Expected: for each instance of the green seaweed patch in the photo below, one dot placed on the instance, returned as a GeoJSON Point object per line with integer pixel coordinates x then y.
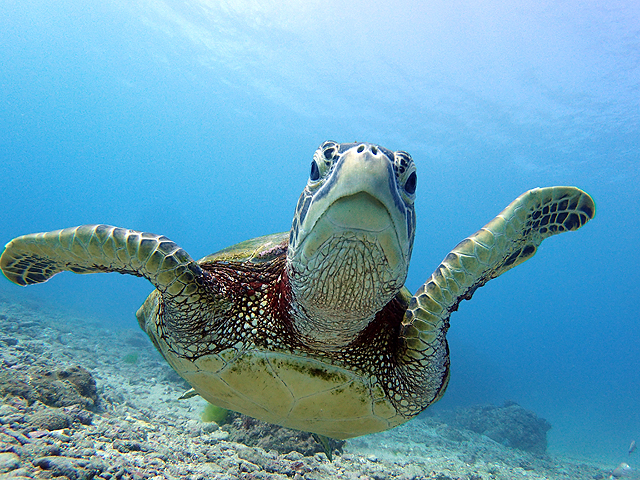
{"type": "Point", "coordinates": [131, 358]}
{"type": "Point", "coordinates": [213, 413]}
{"type": "Point", "coordinates": [316, 372]}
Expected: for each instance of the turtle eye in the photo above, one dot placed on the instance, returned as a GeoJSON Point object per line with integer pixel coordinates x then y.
{"type": "Point", "coordinates": [315, 171]}
{"type": "Point", "coordinates": [406, 176]}
{"type": "Point", "coordinates": [322, 163]}
{"type": "Point", "coordinates": [411, 183]}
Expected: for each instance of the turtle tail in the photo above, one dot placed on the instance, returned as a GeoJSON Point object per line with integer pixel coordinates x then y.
{"type": "Point", "coordinates": [36, 257]}
{"type": "Point", "coordinates": [506, 241]}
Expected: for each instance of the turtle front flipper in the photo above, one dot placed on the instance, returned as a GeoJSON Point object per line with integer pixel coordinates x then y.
{"type": "Point", "coordinates": [37, 257]}
{"type": "Point", "coordinates": [508, 240]}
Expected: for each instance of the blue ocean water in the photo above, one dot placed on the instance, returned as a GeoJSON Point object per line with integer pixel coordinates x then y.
{"type": "Point", "coordinates": [198, 120]}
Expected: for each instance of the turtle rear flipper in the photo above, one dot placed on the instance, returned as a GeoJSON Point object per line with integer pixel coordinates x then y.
{"type": "Point", "coordinates": [508, 240]}
{"type": "Point", "coordinates": [37, 257]}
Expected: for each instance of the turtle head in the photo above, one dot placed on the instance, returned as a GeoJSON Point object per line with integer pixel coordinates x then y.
{"type": "Point", "coordinates": [351, 239]}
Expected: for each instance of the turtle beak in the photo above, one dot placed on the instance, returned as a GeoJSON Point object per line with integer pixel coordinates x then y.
{"type": "Point", "coordinates": [360, 198]}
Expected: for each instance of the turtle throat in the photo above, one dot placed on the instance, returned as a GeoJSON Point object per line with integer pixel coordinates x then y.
{"type": "Point", "coordinates": [337, 291]}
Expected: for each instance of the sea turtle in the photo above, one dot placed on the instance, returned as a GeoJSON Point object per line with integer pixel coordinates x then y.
{"type": "Point", "coordinates": [312, 329]}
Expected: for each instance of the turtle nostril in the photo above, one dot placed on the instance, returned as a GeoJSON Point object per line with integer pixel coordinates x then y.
{"type": "Point", "coordinates": [374, 150]}
{"type": "Point", "coordinates": [360, 149]}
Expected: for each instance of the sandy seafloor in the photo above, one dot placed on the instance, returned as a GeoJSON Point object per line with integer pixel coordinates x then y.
{"type": "Point", "coordinates": [140, 430]}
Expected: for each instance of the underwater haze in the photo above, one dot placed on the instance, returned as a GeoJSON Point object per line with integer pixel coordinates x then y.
{"type": "Point", "coordinates": [198, 120]}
